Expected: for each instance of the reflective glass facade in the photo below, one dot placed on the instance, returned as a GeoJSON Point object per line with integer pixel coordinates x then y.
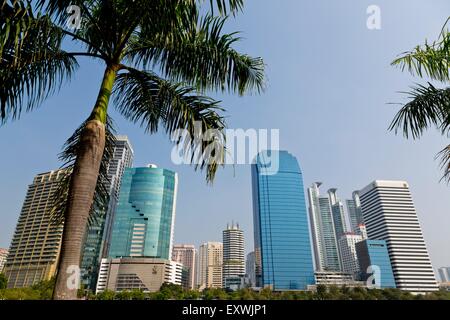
{"type": "Point", "coordinates": [282, 240]}
{"type": "Point", "coordinates": [145, 214]}
{"type": "Point", "coordinates": [375, 253]}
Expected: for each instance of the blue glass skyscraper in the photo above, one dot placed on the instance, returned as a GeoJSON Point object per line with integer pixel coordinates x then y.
{"type": "Point", "coordinates": [374, 254]}
{"type": "Point", "coordinates": [145, 214]}
{"type": "Point", "coordinates": [282, 240]}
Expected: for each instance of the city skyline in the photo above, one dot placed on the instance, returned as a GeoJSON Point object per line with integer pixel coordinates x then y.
{"type": "Point", "coordinates": [355, 170]}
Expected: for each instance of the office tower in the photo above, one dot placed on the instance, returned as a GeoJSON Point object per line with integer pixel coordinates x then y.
{"type": "Point", "coordinates": [97, 235]}
{"type": "Point", "coordinates": [323, 232]}
{"type": "Point", "coordinates": [145, 214]}
{"type": "Point", "coordinates": [250, 271]}
{"type": "Point", "coordinates": [374, 261]}
{"type": "Point", "coordinates": [3, 256]}
{"type": "Point", "coordinates": [210, 260]}
{"type": "Point", "coordinates": [137, 273]}
{"type": "Point", "coordinates": [362, 231]}
{"type": "Point", "coordinates": [282, 238]}
{"type": "Point", "coordinates": [354, 211]}
{"type": "Point", "coordinates": [186, 254]}
{"type": "Point", "coordinates": [122, 158]}
{"type": "Point", "coordinates": [390, 215]}
{"type": "Point", "coordinates": [233, 253]}
{"type": "Point", "coordinates": [347, 251]}
{"type": "Point", "coordinates": [444, 274]}
{"type": "Point", "coordinates": [338, 213]}
{"type": "Point", "coordinates": [36, 242]}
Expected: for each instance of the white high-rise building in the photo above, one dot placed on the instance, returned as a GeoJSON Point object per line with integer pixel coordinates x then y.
{"type": "Point", "coordinates": [326, 254]}
{"type": "Point", "coordinates": [210, 260]}
{"type": "Point", "coordinates": [233, 253]}
{"type": "Point", "coordinates": [390, 215]}
{"type": "Point", "coordinates": [186, 254]}
{"type": "Point", "coordinates": [347, 249]}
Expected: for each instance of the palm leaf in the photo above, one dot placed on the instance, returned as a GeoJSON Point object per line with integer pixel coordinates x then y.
{"type": "Point", "coordinates": [32, 64]}
{"type": "Point", "coordinates": [429, 106]}
{"type": "Point", "coordinates": [146, 99]}
{"type": "Point", "coordinates": [444, 156]}
{"type": "Point", "coordinates": [199, 54]}
{"type": "Point", "coordinates": [432, 60]}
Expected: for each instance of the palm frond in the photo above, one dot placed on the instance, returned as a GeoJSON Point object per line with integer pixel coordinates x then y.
{"type": "Point", "coordinates": [432, 60]}
{"type": "Point", "coordinates": [146, 99]}
{"type": "Point", "coordinates": [429, 106]}
{"type": "Point", "coordinates": [444, 156]}
{"type": "Point", "coordinates": [102, 191]}
{"type": "Point", "coordinates": [32, 63]}
{"type": "Point", "coordinates": [201, 55]}
{"type": "Point", "coordinates": [227, 6]}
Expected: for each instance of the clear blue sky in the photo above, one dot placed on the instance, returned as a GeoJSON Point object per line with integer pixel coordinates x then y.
{"type": "Point", "coordinates": [329, 85]}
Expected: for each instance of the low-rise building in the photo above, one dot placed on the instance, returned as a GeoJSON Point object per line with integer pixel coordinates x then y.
{"type": "Point", "coordinates": [335, 278]}
{"type": "Point", "coordinates": [146, 274]}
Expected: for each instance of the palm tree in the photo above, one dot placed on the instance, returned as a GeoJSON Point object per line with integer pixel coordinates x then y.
{"type": "Point", "coordinates": [429, 106]}
{"type": "Point", "coordinates": [160, 57]}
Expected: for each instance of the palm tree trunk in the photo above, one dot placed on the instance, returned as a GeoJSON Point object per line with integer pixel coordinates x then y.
{"type": "Point", "coordinates": [81, 193]}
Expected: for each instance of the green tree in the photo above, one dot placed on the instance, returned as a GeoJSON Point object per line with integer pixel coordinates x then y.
{"type": "Point", "coordinates": [159, 58]}
{"type": "Point", "coordinates": [171, 291]}
{"type": "Point", "coordinates": [3, 281]}
{"type": "Point", "coordinates": [214, 294]}
{"type": "Point", "coordinates": [45, 288]}
{"type": "Point", "coordinates": [106, 295]}
{"type": "Point", "coordinates": [429, 106]}
{"type": "Point", "coordinates": [321, 292]}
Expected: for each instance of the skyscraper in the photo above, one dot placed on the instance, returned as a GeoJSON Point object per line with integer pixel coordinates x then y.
{"type": "Point", "coordinates": [282, 238]}
{"type": "Point", "coordinates": [186, 254]}
{"type": "Point", "coordinates": [338, 213]}
{"type": "Point", "coordinates": [250, 271]}
{"type": "Point", "coordinates": [36, 243]}
{"type": "Point", "coordinates": [210, 260]}
{"type": "Point", "coordinates": [362, 231]}
{"type": "Point", "coordinates": [390, 215]}
{"type": "Point", "coordinates": [122, 158]}
{"type": "Point", "coordinates": [354, 211]}
{"type": "Point", "coordinates": [444, 274]}
{"type": "Point", "coordinates": [323, 231]}
{"type": "Point", "coordinates": [98, 233]}
{"type": "Point", "coordinates": [145, 214]}
{"type": "Point", "coordinates": [233, 253]}
{"type": "Point", "coordinates": [374, 261]}
{"type": "Point", "coordinates": [347, 251]}
{"type": "Point", "coordinates": [3, 256]}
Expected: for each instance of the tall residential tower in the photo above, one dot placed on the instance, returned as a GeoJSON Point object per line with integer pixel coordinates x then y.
{"type": "Point", "coordinates": [210, 261]}
{"type": "Point", "coordinates": [36, 243]}
{"type": "Point", "coordinates": [186, 254]}
{"type": "Point", "coordinates": [233, 254]}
